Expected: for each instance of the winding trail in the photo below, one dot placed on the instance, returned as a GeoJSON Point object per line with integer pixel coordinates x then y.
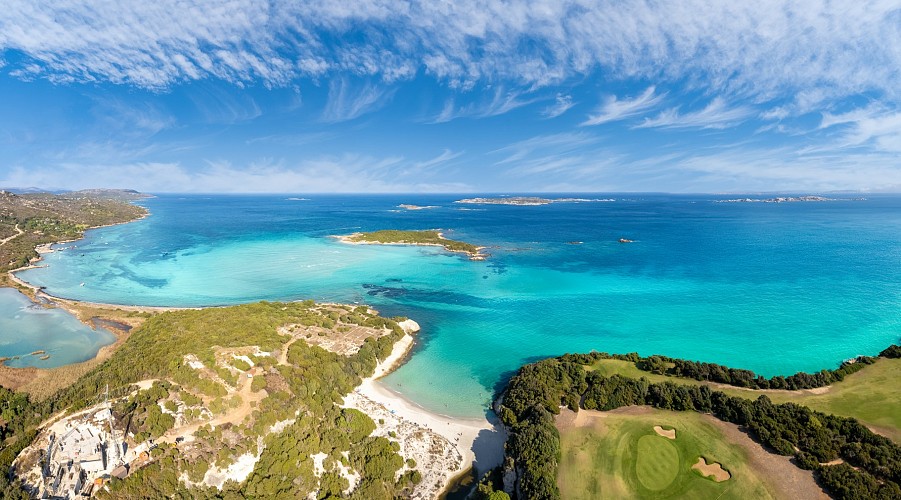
{"type": "Point", "coordinates": [19, 232]}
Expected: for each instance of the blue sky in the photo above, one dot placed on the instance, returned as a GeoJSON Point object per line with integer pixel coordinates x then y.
{"type": "Point", "coordinates": [463, 96]}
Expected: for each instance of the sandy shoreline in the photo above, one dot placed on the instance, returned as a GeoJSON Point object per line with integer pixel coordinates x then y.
{"type": "Point", "coordinates": [442, 446]}
{"type": "Point", "coordinates": [348, 239]}
{"type": "Point", "coordinates": [476, 441]}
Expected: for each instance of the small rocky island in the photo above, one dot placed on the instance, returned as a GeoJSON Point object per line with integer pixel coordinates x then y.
{"type": "Point", "coordinates": [416, 207]}
{"type": "Point", "coordinates": [431, 237]}
{"type": "Point", "coordinates": [781, 199]}
{"type": "Point", "coordinates": [527, 200]}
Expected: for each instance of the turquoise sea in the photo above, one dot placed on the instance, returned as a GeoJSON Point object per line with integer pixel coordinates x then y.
{"type": "Point", "coordinates": [775, 288]}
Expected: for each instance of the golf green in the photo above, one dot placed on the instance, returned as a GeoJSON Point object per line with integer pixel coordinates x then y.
{"type": "Point", "coordinates": [657, 463]}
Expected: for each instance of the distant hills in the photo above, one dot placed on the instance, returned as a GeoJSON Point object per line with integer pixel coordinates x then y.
{"type": "Point", "coordinates": [110, 194]}
{"type": "Point", "coordinates": [98, 193]}
{"type": "Point", "coordinates": [29, 190]}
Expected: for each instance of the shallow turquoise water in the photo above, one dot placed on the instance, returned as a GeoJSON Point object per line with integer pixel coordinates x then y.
{"type": "Point", "coordinates": [775, 288]}
{"type": "Point", "coordinates": [26, 328]}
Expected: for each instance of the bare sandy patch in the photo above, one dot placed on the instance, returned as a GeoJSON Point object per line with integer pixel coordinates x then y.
{"type": "Point", "coordinates": [568, 419]}
{"type": "Point", "coordinates": [669, 434]}
{"type": "Point", "coordinates": [713, 469]}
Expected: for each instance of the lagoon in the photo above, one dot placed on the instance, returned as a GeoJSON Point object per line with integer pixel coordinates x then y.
{"type": "Point", "coordinates": [26, 327]}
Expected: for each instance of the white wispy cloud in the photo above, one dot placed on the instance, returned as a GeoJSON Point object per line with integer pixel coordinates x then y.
{"type": "Point", "coordinates": [343, 174]}
{"type": "Point", "coordinates": [816, 50]}
{"type": "Point", "coordinates": [614, 109]}
{"type": "Point", "coordinates": [717, 115]}
{"type": "Point", "coordinates": [141, 118]}
{"type": "Point", "coordinates": [445, 156]}
{"type": "Point", "coordinates": [497, 103]}
{"type": "Point", "coordinates": [221, 106]}
{"type": "Point", "coordinates": [787, 170]}
{"type": "Point", "coordinates": [562, 104]}
{"type": "Point", "coordinates": [347, 101]}
{"type": "Point", "coordinates": [874, 126]}
{"type": "Point", "coordinates": [776, 113]}
{"type": "Point", "coordinates": [545, 145]}
{"type": "Point", "coordinates": [540, 162]}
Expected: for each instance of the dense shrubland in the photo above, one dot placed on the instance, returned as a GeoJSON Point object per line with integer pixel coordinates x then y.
{"type": "Point", "coordinates": [303, 395]}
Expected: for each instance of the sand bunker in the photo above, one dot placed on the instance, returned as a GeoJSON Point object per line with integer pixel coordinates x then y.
{"type": "Point", "coordinates": [712, 469]}
{"type": "Point", "coordinates": [669, 434]}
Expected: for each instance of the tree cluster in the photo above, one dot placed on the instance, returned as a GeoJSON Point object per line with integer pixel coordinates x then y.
{"type": "Point", "coordinates": [537, 392]}
{"type": "Point", "coordinates": [712, 372]}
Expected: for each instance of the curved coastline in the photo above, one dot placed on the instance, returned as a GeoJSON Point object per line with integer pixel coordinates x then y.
{"type": "Point", "coordinates": [479, 442]}
{"type": "Point", "coordinates": [382, 404]}
{"type": "Point", "coordinates": [19, 376]}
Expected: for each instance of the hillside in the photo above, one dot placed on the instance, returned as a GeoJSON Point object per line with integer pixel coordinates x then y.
{"type": "Point", "coordinates": [244, 400]}
{"type": "Point", "coordinates": [29, 220]}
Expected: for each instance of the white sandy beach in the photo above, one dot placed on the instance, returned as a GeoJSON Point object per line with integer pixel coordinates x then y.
{"type": "Point", "coordinates": [418, 429]}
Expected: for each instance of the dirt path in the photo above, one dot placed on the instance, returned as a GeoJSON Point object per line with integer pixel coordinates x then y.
{"type": "Point", "coordinates": [283, 356]}
{"type": "Point", "coordinates": [231, 416]}
{"type": "Point", "coordinates": [19, 232]}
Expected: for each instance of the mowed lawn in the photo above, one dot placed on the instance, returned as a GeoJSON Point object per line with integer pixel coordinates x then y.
{"type": "Point", "coordinates": [619, 455]}
{"type": "Point", "coordinates": [872, 395]}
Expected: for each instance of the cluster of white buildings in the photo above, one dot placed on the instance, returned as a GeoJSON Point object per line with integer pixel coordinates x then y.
{"type": "Point", "coordinates": [82, 455]}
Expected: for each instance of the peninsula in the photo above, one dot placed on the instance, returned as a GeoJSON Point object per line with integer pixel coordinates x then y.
{"type": "Point", "coordinates": [528, 200]}
{"type": "Point", "coordinates": [33, 219]}
{"type": "Point", "coordinates": [430, 237]}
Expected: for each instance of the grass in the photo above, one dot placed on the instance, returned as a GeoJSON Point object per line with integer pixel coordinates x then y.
{"type": "Point", "coordinates": [872, 395]}
{"type": "Point", "coordinates": [430, 237]}
{"type": "Point", "coordinates": [657, 462]}
{"type": "Point", "coordinates": [620, 456]}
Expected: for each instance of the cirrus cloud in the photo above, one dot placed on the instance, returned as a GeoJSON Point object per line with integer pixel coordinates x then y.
{"type": "Point", "coordinates": [754, 49]}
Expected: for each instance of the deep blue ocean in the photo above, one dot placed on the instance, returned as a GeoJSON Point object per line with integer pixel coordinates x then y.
{"type": "Point", "coordinates": [775, 288]}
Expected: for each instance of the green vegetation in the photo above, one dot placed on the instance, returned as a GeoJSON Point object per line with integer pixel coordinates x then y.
{"type": "Point", "coordinates": [47, 218]}
{"type": "Point", "coordinates": [391, 236]}
{"type": "Point", "coordinates": [303, 394]}
{"type": "Point", "coordinates": [17, 430]}
{"type": "Point", "coordinates": [871, 395]}
{"type": "Point", "coordinates": [656, 463]}
{"type": "Point", "coordinates": [145, 417]}
{"type": "Point", "coordinates": [712, 372]}
{"type": "Point", "coordinates": [620, 456]}
{"type": "Point", "coordinates": [872, 463]}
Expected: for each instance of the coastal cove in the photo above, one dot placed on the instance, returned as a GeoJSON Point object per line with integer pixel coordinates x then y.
{"type": "Point", "coordinates": [800, 293]}
{"type": "Point", "coordinates": [34, 336]}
